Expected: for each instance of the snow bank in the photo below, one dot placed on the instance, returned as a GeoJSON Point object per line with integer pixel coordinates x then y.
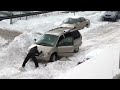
{"type": "Point", "coordinates": [103, 66]}
{"type": "Point", "coordinates": [17, 49]}
{"type": "Point", "coordinates": [93, 53]}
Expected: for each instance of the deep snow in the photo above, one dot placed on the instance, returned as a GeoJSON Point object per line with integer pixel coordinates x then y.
{"type": "Point", "coordinates": [104, 65]}
{"type": "Point", "coordinates": [98, 35]}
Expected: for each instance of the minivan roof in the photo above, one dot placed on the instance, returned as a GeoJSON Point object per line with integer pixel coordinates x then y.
{"type": "Point", "coordinates": [58, 31]}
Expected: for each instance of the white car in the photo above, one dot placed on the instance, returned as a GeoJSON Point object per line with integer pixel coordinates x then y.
{"type": "Point", "coordinates": [77, 23]}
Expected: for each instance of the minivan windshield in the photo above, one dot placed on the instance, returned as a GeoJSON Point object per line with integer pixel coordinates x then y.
{"type": "Point", "coordinates": [48, 40]}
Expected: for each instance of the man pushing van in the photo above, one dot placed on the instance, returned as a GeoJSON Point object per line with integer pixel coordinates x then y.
{"type": "Point", "coordinates": [31, 55]}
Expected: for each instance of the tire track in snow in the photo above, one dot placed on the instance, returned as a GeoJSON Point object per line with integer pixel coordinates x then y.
{"type": "Point", "coordinates": [101, 34]}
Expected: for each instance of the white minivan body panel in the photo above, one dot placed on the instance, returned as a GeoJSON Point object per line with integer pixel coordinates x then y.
{"type": "Point", "coordinates": [65, 50]}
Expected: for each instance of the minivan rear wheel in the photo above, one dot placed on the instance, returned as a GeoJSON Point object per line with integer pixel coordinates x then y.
{"type": "Point", "coordinates": [87, 25]}
{"type": "Point", "coordinates": [53, 57]}
{"type": "Point", "coordinates": [76, 50]}
{"type": "Point", "coordinates": [114, 19]}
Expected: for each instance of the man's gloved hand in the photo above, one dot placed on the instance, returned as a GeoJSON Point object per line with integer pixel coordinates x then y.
{"type": "Point", "coordinates": [37, 54]}
{"type": "Point", "coordinates": [41, 52]}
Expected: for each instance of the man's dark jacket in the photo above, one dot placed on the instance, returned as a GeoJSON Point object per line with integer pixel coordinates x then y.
{"type": "Point", "coordinates": [34, 51]}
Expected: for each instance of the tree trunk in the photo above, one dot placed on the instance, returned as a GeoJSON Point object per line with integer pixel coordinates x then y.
{"type": "Point", "coordinates": [74, 13]}
{"type": "Point", "coordinates": [26, 17]}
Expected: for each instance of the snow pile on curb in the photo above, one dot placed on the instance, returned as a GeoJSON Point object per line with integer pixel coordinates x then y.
{"type": "Point", "coordinates": [17, 49]}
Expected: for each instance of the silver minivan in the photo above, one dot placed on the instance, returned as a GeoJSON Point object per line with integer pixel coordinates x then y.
{"type": "Point", "coordinates": [58, 42]}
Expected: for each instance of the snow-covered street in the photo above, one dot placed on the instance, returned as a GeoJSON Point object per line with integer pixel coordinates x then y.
{"type": "Point", "coordinates": [98, 36]}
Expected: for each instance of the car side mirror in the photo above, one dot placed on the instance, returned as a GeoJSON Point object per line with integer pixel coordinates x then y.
{"type": "Point", "coordinates": [35, 40]}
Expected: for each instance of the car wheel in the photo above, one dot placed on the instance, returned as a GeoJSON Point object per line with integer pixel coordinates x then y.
{"type": "Point", "coordinates": [104, 19]}
{"type": "Point", "coordinates": [76, 50]}
{"type": "Point", "coordinates": [53, 57]}
{"type": "Point", "coordinates": [115, 19]}
{"type": "Point", "coordinates": [87, 25]}
{"type": "Point", "coordinates": [74, 27]}
{"type": "Point", "coordinates": [83, 28]}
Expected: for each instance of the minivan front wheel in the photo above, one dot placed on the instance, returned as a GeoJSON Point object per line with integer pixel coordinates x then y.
{"type": "Point", "coordinates": [53, 57]}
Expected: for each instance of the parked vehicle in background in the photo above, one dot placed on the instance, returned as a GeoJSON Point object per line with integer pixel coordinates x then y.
{"type": "Point", "coordinates": [59, 42]}
{"type": "Point", "coordinates": [76, 23]}
{"type": "Point", "coordinates": [111, 16]}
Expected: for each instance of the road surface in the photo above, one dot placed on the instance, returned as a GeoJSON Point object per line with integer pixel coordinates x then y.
{"type": "Point", "coordinates": [9, 35]}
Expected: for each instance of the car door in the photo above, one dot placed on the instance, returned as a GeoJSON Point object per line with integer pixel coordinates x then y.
{"type": "Point", "coordinates": [65, 47]}
{"type": "Point", "coordinates": [77, 38]}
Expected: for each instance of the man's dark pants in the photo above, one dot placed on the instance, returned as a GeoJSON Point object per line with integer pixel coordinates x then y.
{"type": "Point", "coordinates": [30, 55]}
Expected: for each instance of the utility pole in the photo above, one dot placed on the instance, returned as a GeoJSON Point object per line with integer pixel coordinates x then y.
{"type": "Point", "coordinates": [119, 59]}
{"type": "Point", "coordinates": [74, 13]}
{"type": "Point", "coordinates": [11, 17]}
{"type": "Point", "coordinates": [10, 20]}
{"type": "Point", "coordinates": [26, 17]}
{"type": "Point", "coordinates": [20, 14]}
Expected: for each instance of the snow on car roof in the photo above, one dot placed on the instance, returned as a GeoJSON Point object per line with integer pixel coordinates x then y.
{"type": "Point", "coordinates": [58, 31]}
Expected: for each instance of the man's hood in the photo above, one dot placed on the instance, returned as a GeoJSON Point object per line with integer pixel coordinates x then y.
{"type": "Point", "coordinates": [34, 45]}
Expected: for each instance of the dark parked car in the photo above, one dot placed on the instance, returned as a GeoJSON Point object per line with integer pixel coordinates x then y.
{"type": "Point", "coordinates": [111, 16]}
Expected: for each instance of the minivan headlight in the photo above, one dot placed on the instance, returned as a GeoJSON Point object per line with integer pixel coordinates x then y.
{"type": "Point", "coordinates": [45, 54]}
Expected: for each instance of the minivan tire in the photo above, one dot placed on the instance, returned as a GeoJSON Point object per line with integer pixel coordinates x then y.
{"type": "Point", "coordinates": [114, 19]}
{"type": "Point", "coordinates": [76, 50]}
{"type": "Point", "coordinates": [53, 57]}
{"type": "Point", "coordinates": [87, 25]}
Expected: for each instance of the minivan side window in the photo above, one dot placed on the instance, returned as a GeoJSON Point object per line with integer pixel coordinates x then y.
{"type": "Point", "coordinates": [66, 42]}
{"type": "Point", "coordinates": [61, 38]}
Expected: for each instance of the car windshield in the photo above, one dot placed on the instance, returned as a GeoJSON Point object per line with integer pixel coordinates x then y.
{"type": "Point", "coordinates": [47, 40]}
{"type": "Point", "coordinates": [70, 21]}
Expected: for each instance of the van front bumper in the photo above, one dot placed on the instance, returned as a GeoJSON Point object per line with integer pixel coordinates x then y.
{"type": "Point", "coordinates": [43, 58]}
